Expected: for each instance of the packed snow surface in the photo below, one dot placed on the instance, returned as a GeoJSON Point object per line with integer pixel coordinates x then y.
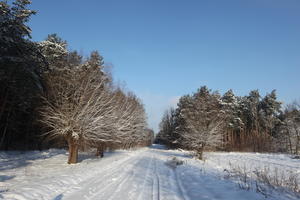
{"type": "Point", "coordinates": [148, 173]}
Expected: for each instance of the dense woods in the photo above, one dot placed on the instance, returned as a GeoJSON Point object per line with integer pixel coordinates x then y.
{"type": "Point", "coordinates": [208, 120]}
{"type": "Point", "coordinates": [51, 96]}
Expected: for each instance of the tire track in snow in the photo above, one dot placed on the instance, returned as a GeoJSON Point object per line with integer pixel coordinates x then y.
{"type": "Point", "coordinates": [111, 183]}
{"type": "Point", "coordinates": [174, 184]}
{"type": "Point", "coordinates": [166, 177]}
{"type": "Point", "coordinates": [149, 171]}
{"type": "Point", "coordinates": [98, 177]}
{"type": "Point", "coordinates": [180, 186]}
{"type": "Point", "coordinates": [123, 176]}
{"type": "Point", "coordinates": [131, 175]}
{"type": "Point", "coordinates": [127, 177]}
{"type": "Point", "coordinates": [156, 185]}
{"type": "Point", "coordinates": [111, 180]}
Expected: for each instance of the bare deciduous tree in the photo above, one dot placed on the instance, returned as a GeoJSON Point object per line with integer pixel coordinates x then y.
{"type": "Point", "coordinates": [78, 107]}
{"type": "Point", "coordinates": [81, 107]}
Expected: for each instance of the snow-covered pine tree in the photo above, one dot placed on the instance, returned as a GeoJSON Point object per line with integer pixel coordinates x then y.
{"type": "Point", "coordinates": [251, 109]}
{"type": "Point", "coordinates": [180, 122]}
{"type": "Point", "coordinates": [54, 49]}
{"type": "Point", "coordinates": [234, 124]}
{"type": "Point", "coordinates": [204, 121]}
{"type": "Point", "coordinates": [270, 110]}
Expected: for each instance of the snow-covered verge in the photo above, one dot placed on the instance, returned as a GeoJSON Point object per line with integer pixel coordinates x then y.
{"type": "Point", "coordinates": [147, 173]}
{"type": "Point", "coordinates": [259, 171]}
{"type": "Point", "coordinates": [252, 161]}
{"type": "Point", "coordinates": [46, 175]}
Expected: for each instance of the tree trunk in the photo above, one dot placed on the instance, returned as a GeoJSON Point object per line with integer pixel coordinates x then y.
{"type": "Point", "coordinates": [73, 151]}
{"type": "Point", "coordinates": [3, 104]}
{"type": "Point", "coordinates": [4, 145]}
{"type": "Point", "coordinates": [289, 141]}
{"type": "Point", "coordinates": [200, 153]}
{"type": "Point", "coordinates": [297, 145]}
{"type": "Point", "coordinates": [100, 151]}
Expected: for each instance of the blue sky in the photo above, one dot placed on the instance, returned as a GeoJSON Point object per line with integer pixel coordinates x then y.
{"type": "Point", "coordinates": [164, 49]}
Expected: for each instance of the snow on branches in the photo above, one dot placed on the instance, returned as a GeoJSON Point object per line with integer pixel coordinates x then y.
{"type": "Point", "coordinates": [207, 120]}
{"type": "Point", "coordinates": [81, 107]}
{"type": "Point", "coordinates": [203, 121]}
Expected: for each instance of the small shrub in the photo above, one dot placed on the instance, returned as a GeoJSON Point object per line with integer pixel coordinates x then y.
{"type": "Point", "coordinates": [174, 162]}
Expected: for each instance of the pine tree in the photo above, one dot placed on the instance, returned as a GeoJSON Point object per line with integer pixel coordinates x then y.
{"type": "Point", "coordinates": [54, 49]}
{"type": "Point", "coordinates": [289, 137]}
{"type": "Point", "coordinates": [204, 121]}
{"type": "Point", "coordinates": [96, 60]}
{"type": "Point", "coordinates": [74, 59]}
{"type": "Point", "coordinates": [20, 77]}
{"type": "Point", "coordinates": [13, 30]}
{"type": "Point", "coordinates": [270, 110]}
{"type": "Point", "coordinates": [234, 124]}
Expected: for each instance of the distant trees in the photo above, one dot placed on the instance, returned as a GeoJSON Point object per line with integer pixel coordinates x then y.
{"type": "Point", "coordinates": [167, 127]}
{"type": "Point", "coordinates": [48, 91]}
{"type": "Point", "coordinates": [207, 120]}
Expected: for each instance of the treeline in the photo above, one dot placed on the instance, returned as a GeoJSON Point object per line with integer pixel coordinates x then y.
{"type": "Point", "coordinates": [51, 96]}
{"type": "Point", "coordinates": [207, 120]}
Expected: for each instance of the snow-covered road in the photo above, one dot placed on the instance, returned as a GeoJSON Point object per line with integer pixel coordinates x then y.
{"type": "Point", "coordinates": [144, 174]}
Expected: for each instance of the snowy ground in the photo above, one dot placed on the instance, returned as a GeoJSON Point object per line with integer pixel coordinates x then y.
{"type": "Point", "coordinates": [143, 174]}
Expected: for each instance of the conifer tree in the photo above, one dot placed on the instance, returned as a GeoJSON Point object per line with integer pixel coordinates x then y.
{"type": "Point", "coordinates": [20, 77]}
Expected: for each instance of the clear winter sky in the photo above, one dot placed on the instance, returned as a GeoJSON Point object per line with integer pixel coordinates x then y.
{"type": "Point", "coordinates": [164, 49]}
